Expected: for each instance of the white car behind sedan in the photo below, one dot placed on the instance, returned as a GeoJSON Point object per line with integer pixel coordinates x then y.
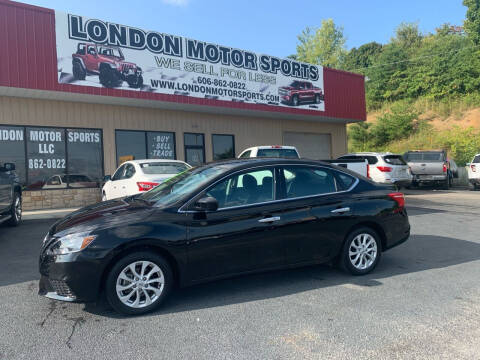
{"type": "Point", "coordinates": [136, 176]}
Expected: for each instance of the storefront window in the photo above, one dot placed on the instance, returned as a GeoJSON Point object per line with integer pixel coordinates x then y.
{"type": "Point", "coordinates": [161, 145]}
{"type": "Point", "coordinates": [12, 149]}
{"type": "Point", "coordinates": [136, 145]}
{"type": "Point", "coordinates": [194, 149]}
{"type": "Point", "coordinates": [223, 147]}
{"type": "Point", "coordinates": [85, 157]}
{"type": "Point", "coordinates": [55, 158]}
{"type": "Point", "coordinates": [130, 145]}
{"type": "Point", "coordinates": [46, 155]}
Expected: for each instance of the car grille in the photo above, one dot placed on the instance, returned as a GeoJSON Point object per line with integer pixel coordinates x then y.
{"type": "Point", "coordinates": [126, 67]}
{"type": "Point", "coordinates": [61, 288]}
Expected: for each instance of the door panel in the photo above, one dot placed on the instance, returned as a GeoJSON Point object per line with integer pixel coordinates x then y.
{"type": "Point", "coordinates": [313, 198]}
{"type": "Point", "coordinates": [4, 190]}
{"type": "Point", "coordinates": [243, 235]}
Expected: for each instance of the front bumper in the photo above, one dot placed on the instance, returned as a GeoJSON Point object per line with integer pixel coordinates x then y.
{"type": "Point", "coordinates": [73, 277]}
{"type": "Point", "coordinates": [475, 181]}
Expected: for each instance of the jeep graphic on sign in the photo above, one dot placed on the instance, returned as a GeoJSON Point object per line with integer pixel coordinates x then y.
{"type": "Point", "coordinates": [108, 62]}
{"type": "Point", "coordinates": [300, 91]}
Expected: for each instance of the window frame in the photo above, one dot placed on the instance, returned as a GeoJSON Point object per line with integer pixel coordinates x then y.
{"type": "Point", "coordinates": [174, 136]}
{"type": "Point", "coordinates": [213, 145]}
{"type": "Point", "coordinates": [198, 147]}
{"type": "Point", "coordinates": [187, 206]}
{"type": "Point", "coordinates": [65, 129]}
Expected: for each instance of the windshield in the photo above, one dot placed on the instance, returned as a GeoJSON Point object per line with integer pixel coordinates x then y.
{"type": "Point", "coordinates": [107, 51]}
{"type": "Point", "coordinates": [424, 156]}
{"type": "Point", "coordinates": [75, 178]}
{"type": "Point", "coordinates": [296, 84]}
{"type": "Point", "coordinates": [154, 168]}
{"type": "Point", "coordinates": [183, 185]}
{"type": "Point", "coordinates": [278, 153]}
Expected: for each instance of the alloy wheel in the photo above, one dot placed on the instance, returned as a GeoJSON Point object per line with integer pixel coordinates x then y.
{"type": "Point", "coordinates": [18, 208]}
{"type": "Point", "coordinates": [363, 251]}
{"type": "Point", "coordinates": [140, 284]}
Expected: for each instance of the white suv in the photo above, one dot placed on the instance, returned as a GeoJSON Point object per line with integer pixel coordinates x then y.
{"type": "Point", "coordinates": [277, 151]}
{"type": "Point", "coordinates": [474, 172]}
{"type": "Point", "coordinates": [384, 168]}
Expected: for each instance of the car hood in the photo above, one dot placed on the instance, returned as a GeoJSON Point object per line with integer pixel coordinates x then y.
{"type": "Point", "coordinates": [286, 88]}
{"type": "Point", "coordinates": [103, 215]}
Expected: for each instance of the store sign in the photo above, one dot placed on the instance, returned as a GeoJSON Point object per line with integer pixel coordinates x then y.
{"type": "Point", "coordinates": [161, 145]}
{"type": "Point", "coordinates": [93, 52]}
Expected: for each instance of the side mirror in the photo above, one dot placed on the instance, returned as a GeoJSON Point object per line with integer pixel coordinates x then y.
{"type": "Point", "coordinates": [208, 204]}
{"type": "Point", "coordinates": [107, 178]}
{"type": "Point", "coordinates": [8, 167]}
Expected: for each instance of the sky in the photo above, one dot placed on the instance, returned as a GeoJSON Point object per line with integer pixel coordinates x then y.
{"type": "Point", "coordinates": [269, 27]}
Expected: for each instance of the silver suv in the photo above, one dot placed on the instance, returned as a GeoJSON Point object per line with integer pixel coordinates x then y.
{"type": "Point", "coordinates": [384, 168]}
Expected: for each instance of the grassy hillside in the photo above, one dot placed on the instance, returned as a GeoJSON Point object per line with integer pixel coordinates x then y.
{"type": "Point", "coordinates": [422, 124]}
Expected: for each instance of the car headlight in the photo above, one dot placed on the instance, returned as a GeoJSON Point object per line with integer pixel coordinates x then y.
{"type": "Point", "coordinates": [72, 243]}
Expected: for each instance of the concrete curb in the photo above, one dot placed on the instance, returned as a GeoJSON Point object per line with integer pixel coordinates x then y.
{"type": "Point", "coordinates": [46, 214]}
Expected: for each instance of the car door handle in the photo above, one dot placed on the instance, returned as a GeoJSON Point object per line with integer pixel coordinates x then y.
{"type": "Point", "coordinates": [270, 219]}
{"type": "Point", "coordinates": [341, 210]}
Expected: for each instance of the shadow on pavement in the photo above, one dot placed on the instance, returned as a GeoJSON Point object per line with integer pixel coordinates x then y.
{"type": "Point", "coordinates": [19, 250]}
{"type": "Point", "coordinates": [420, 253]}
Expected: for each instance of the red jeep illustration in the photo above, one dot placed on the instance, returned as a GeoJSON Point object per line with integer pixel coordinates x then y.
{"type": "Point", "coordinates": [300, 91]}
{"type": "Point", "coordinates": [108, 62]}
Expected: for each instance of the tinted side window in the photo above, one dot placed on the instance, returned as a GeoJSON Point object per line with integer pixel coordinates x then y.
{"type": "Point", "coordinates": [344, 181]}
{"type": "Point", "coordinates": [244, 189]}
{"type": "Point", "coordinates": [129, 171]}
{"type": "Point", "coordinates": [119, 173]}
{"type": "Point", "coordinates": [476, 159]}
{"type": "Point", "coordinates": [246, 154]}
{"type": "Point", "coordinates": [371, 159]}
{"type": "Point", "coordinates": [306, 181]}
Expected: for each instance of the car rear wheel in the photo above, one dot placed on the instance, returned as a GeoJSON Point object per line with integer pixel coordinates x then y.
{"type": "Point", "coordinates": [16, 210]}
{"type": "Point", "coordinates": [361, 251]}
{"type": "Point", "coordinates": [139, 283]}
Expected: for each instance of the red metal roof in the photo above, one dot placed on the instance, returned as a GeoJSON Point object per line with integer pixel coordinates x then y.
{"type": "Point", "coordinates": [28, 60]}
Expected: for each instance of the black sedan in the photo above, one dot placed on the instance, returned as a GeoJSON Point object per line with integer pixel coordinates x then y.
{"type": "Point", "coordinates": [216, 221]}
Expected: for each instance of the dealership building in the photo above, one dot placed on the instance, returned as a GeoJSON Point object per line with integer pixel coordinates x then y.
{"type": "Point", "coordinates": [79, 96]}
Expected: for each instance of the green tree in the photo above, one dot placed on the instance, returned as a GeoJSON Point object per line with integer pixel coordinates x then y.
{"type": "Point", "coordinates": [394, 125]}
{"type": "Point", "coordinates": [472, 21]}
{"type": "Point", "coordinates": [359, 137]}
{"type": "Point", "coordinates": [323, 46]}
{"type": "Point", "coordinates": [358, 60]}
{"type": "Point", "coordinates": [407, 35]}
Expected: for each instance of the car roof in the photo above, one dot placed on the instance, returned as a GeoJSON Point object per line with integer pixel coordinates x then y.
{"type": "Point", "coordinates": [259, 161]}
{"type": "Point", "coordinates": [288, 147]}
{"type": "Point", "coordinates": [372, 153]}
{"type": "Point", "coordinates": [141, 161]}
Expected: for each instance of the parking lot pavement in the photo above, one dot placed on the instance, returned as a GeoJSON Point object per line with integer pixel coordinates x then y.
{"type": "Point", "coordinates": [422, 302]}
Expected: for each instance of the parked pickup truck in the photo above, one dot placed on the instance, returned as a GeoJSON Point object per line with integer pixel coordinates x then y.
{"type": "Point", "coordinates": [429, 167]}
{"type": "Point", "coordinates": [300, 91]}
{"type": "Point", "coordinates": [474, 172]}
{"type": "Point", "coordinates": [360, 166]}
{"type": "Point", "coordinates": [10, 195]}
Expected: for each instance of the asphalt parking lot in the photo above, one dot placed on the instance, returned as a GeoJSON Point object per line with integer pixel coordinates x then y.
{"type": "Point", "coordinates": [422, 301]}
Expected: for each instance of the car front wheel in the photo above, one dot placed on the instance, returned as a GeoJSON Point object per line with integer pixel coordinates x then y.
{"type": "Point", "coordinates": [16, 210]}
{"type": "Point", "coordinates": [138, 283]}
{"type": "Point", "coordinates": [361, 251]}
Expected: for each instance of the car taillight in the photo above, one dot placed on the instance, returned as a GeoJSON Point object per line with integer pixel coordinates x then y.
{"type": "Point", "coordinates": [368, 171]}
{"type": "Point", "coordinates": [145, 186]}
{"type": "Point", "coordinates": [384, 168]}
{"type": "Point", "coordinates": [474, 169]}
{"type": "Point", "coordinates": [399, 199]}
{"type": "Point", "coordinates": [276, 146]}
{"type": "Point", "coordinates": [444, 167]}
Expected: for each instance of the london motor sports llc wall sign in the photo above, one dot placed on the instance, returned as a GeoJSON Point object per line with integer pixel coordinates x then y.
{"type": "Point", "coordinates": [92, 52]}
